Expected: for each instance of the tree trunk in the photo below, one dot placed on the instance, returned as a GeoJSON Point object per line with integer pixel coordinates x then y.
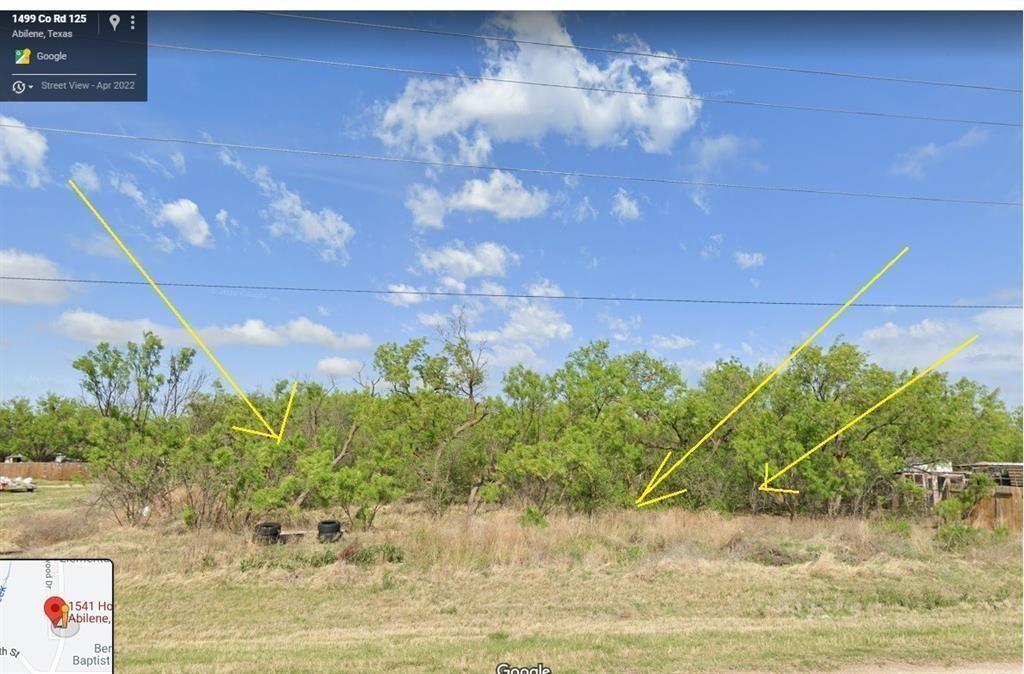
{"type": "Point", "coordinates": [439, 451]}
{"type": "Point", "coordinates": [334, 463]}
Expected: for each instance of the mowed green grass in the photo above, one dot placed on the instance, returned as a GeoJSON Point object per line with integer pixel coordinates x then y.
{"type": "Point", "coordinates": [638, 591]}
{"type": "Point", "coordinates": [573, 621]}
{"type": "Point", "coordinates": [49, 495]}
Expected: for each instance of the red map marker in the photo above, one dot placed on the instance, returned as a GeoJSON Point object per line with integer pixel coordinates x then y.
{"type": "Point", "coordinates": [54, 609]}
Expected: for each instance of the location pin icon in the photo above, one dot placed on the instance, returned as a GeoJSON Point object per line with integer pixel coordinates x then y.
{"type": "Point", "coordinates": [114, 20]}
{"type": "Point", "coordinates": [53, 607]}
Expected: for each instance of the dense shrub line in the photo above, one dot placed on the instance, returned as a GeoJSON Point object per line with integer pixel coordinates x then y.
{"type": "Point", "coordinates": [426, 424]}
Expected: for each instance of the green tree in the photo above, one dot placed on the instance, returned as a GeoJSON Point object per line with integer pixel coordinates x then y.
{"type": "Point", "coordinates": [419, 426]}
{"type": "Point", "coordinates": [131, 452]}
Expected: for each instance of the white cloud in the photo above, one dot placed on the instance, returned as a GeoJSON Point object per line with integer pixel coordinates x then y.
{"type": "Point", "coordinates": [545, 288]}
{"type": "Point", "coordinates": [451, 284]}
{"type": "Point", "coordinates": [492, 288]}
{"type": "Point", "coordinates": [502, 195]}
{"type": "Point", "coordinates": [713, 247]}
{"type": "Point", "coordinates": [17, 263]}
{"type": "Point", "coordinates": [750, 260]}
{"type": "Point", "coordinates": [455, 260]}
{"type": "Point", "coordinates": [914, 161]}
{"type": "Point", "coordinates": [252, 332]}
{"type": "Point", "coordinates": [672, 342]}
{"type": "Point", "coordinates": [584, 210]}
{"type": "Point", "coordinates": [474, 151]}
{"type": "Point", "coordinates": [178, 161]}
{"type": "Point", "coordinates": [226, 222]}
{"type": "Point", "coordinates": [164, 244]}
{"type": "Point", "coordinates": [85, 176]}
{"type": "Point", "coordinates": [432, 320]}
{"type": "Point", "coordinates": [700, 199]}
{"type": "Point", "coordinates": [507, 355]}
{"type": "Point", "coordinates": [427, 205]}
{"type": "Point", "coordinates": [527, 324]}
{"type": "Point", "coordinates": [926, 328]}
{"type": "Point", "coordinates": [185, 217]}
{"type": "Point", "coordinates": [622, 328]}
{"type": "Point", "coordinates": [462, 118]}
{"type": "Point", "coordinates": [93, 327]}
{"type": "Point", "coordinates": [1000, 321]}
{"type": "Point", "coordinates": [524, 326]}
{"type": "Point", "coordinates": [995, 359]}
{"type": "Point", "coordinates": [694, 368]}
{"type": "Point", "coordinates": [125, 184]}
{"type": "Point", "coordinates": [404, 295]}
{"type": "Point", "coordinates": [625, 207]}
{"type": "Point", "coordinates": [176, 158]}
{"type": "Point", "coordinates": [150, 163]}
{"type": "Point", "coordinates": [532, 322]}
{"type": "Point", "coordinates": [883, 332]}
{"type": "Point", "coordinates": [339, 367]}
{"type": "Point", "coordinates": [22, 150]}
{"type": "Point", "coordinates": [327, 229]}
{"type": "Point", "coordinates": [306, 331]}
{"type": "Point", "coordinates": [86, 326]}
{"type": "Point", "coordinates": [709, 154]}
{"type": "Point", "coordinates": [100, 245]}
{"type": "Point", "coordinates": [452, 264]}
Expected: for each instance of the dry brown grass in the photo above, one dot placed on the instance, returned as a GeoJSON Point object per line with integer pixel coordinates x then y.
{"type": "Point", "coordinates": [624, 591]}
{"type": "Point", "coordinates": [497, 538]}
{"type": "Point", "coordinates": [55, 512]}
{"type": "Point", "coordinates": [43, 529]}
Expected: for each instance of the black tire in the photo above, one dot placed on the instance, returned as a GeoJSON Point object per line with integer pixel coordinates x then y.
{"type": "Point", "coordinates": [268, 528]}
{"type": "Point", "coordinates": [329, 531]}
{"type": "Point", "coordinates": [328, 527]}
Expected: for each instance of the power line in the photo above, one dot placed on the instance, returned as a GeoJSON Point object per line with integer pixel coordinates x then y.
{"type": "Point", "coordinates": [555, 85]}
{"type": "Point", "coordinates": [627, 52]}
{"type": "Point", "coordinates": [511, 169]}
{"type": "Point", "coordinates": [453, 293]}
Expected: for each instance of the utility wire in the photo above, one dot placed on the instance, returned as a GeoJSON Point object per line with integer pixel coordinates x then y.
{"type": "Point", "coordinates": [510, 169]}
{"type": "Point", "coordinates": [658, 55]}
{"type": "Point", "coordinates": [555, 85]}
{"type": "Point", "coordinates": [453, 293]}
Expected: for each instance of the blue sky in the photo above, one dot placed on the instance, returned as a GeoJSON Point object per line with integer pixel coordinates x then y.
{"type": "Point", "coordinates": [206, 214]}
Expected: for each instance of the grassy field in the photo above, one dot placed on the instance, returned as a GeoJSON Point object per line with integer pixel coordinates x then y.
{"type": "Point", "coordinates": [666, 591]}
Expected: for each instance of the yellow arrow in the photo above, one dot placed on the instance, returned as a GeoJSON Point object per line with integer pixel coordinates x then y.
{"type": "Point", "coordinates": [764, 485]}
{"type": "Point", "coordinates": [270, 432]}
{"type": "Point", "coordinates": [913, 380]}
{"type": "Point", "coordinates": [658, 479]}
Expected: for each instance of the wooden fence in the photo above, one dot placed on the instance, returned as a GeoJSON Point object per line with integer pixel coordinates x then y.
{"type": "Point", "coordinates": [1001, 509]}
{"type": "Point", "coordinates": [48, 470]}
